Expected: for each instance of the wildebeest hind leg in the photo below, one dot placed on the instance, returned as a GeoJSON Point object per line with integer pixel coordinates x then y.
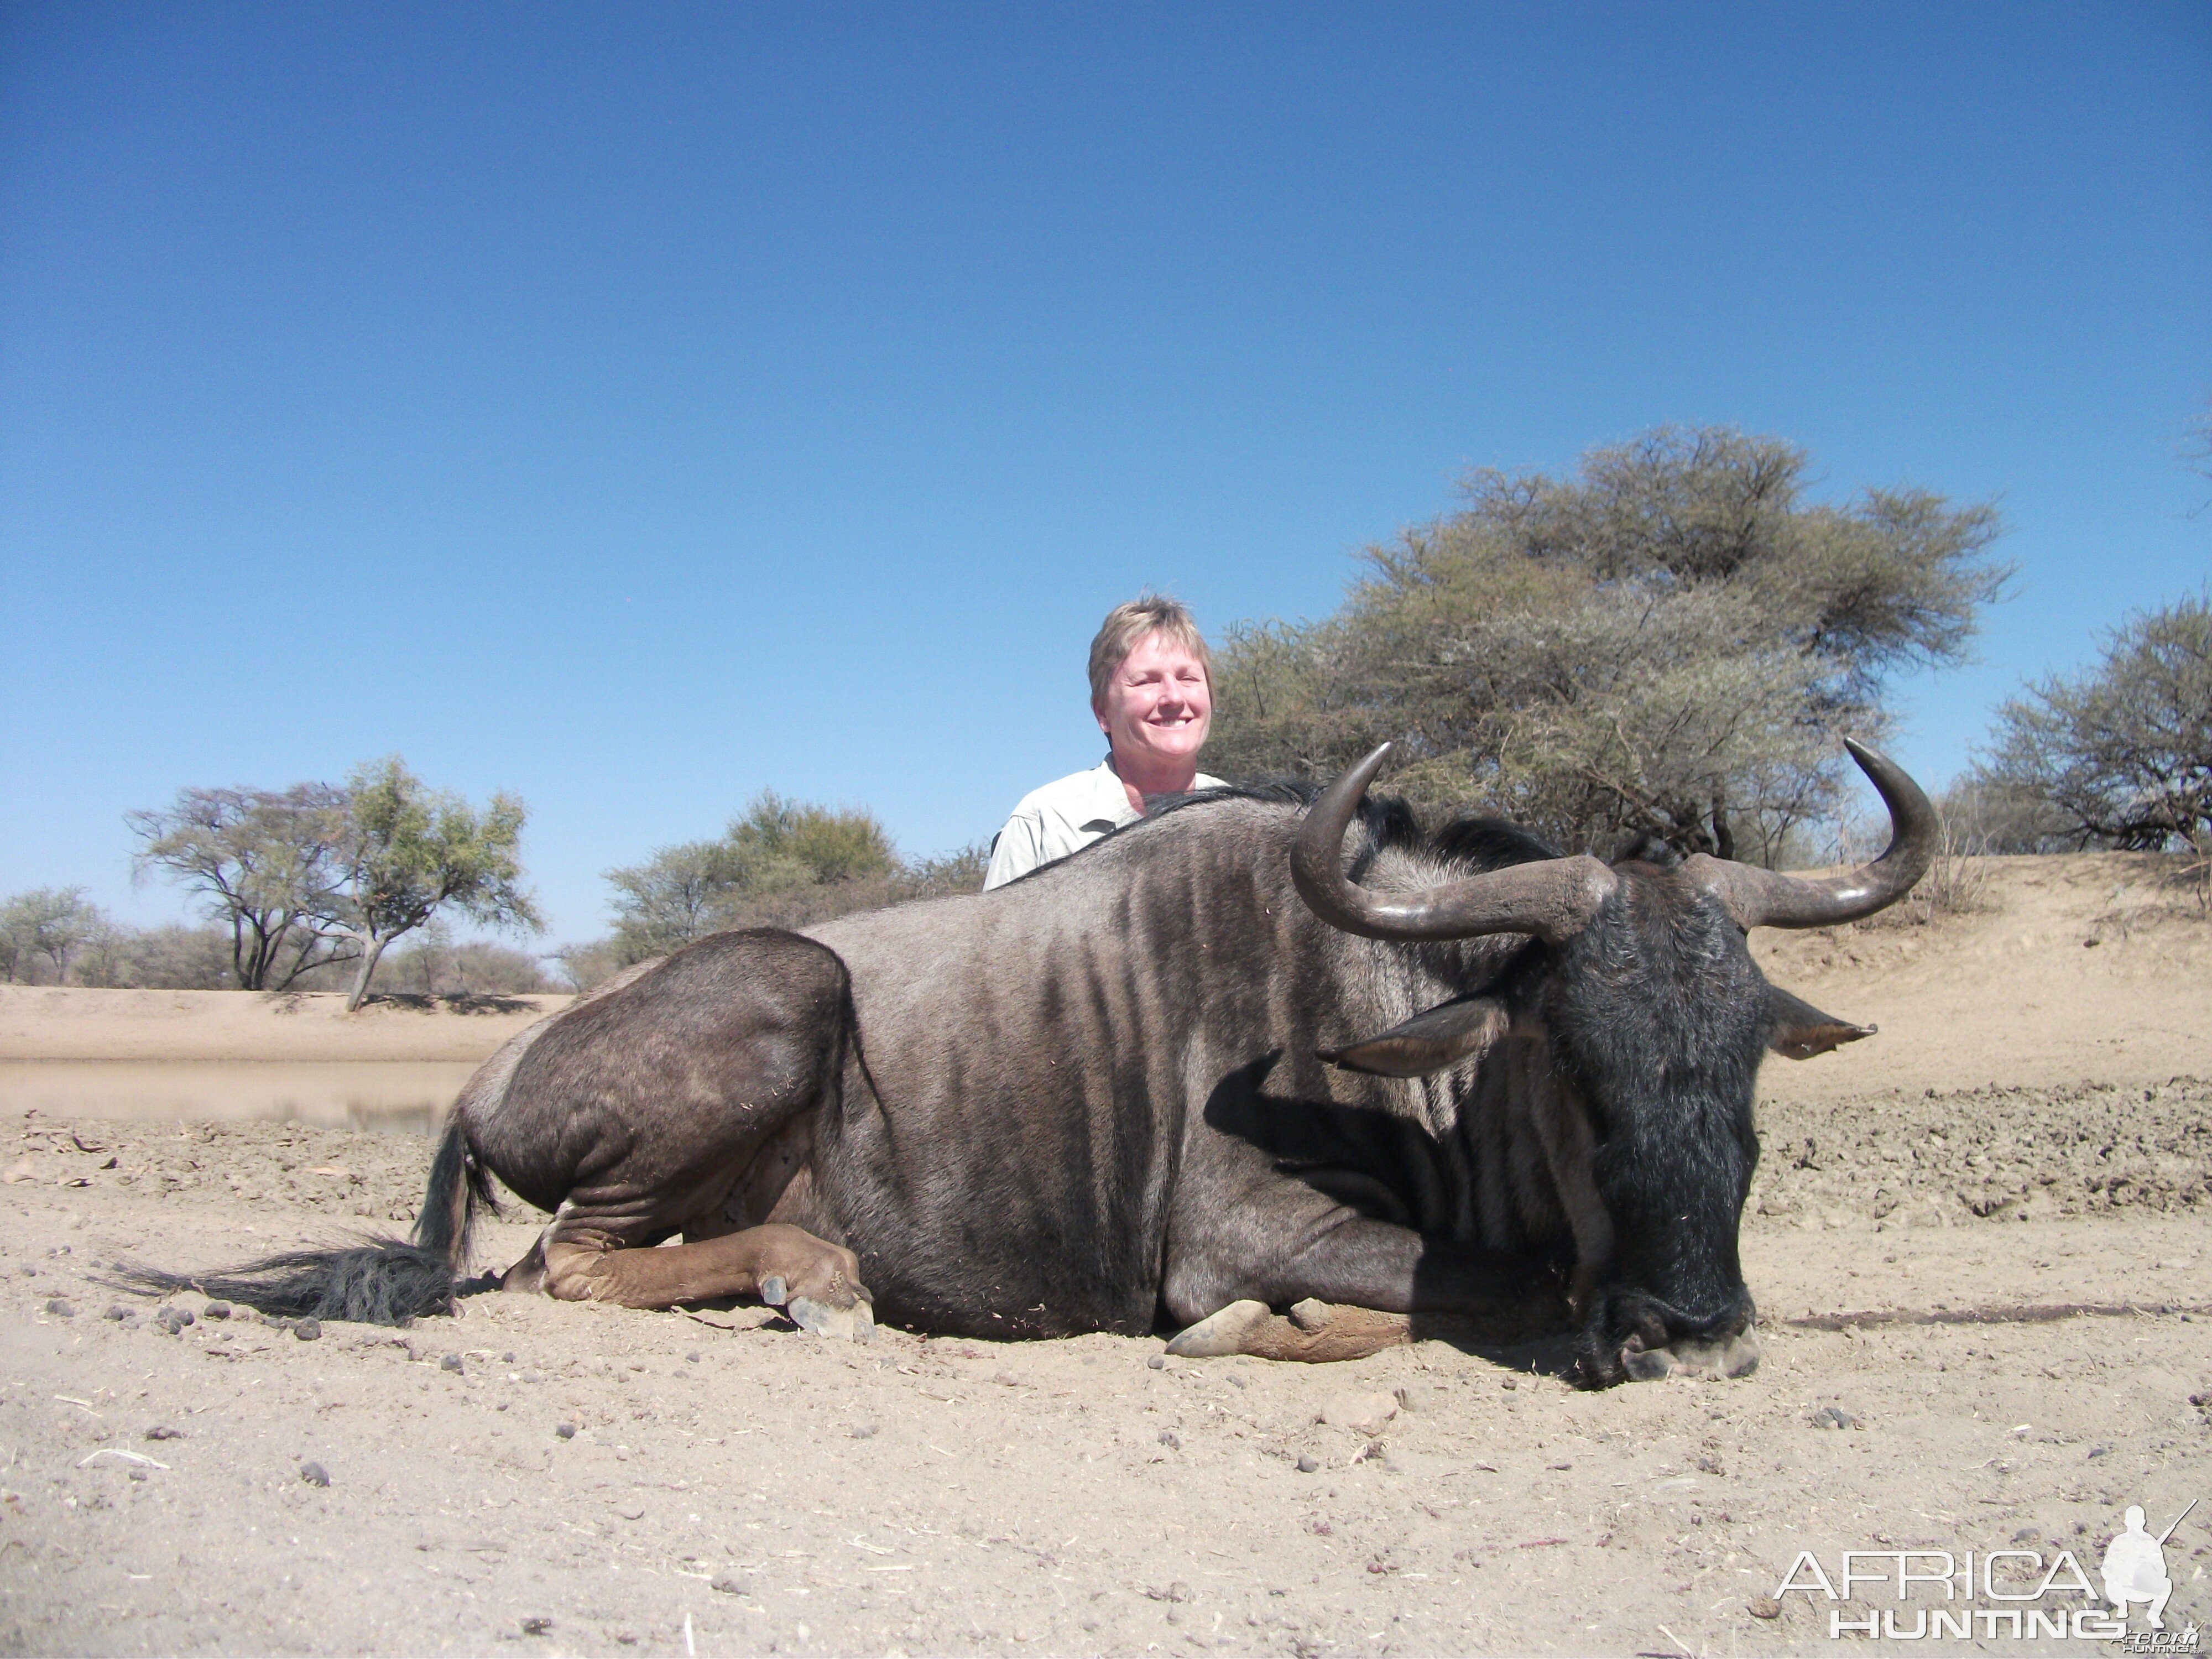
{"type": "Point", "coordinates": [818, 1284]}
{"type": "Point", "coordinates": [1353, 1285]}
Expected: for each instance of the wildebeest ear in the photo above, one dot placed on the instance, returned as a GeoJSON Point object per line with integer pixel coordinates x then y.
{"type": "Point", "coordinates": [1429, 1042]}
{"type": "Point", "coordinates": [1801, 1030]}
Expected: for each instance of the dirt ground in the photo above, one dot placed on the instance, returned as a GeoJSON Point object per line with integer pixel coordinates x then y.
{"type": "Point", "coordinates": [2032, 1128]}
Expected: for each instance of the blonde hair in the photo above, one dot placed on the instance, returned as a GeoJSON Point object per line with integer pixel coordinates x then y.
{"type": "Point", "coordinates": [1125, 627]}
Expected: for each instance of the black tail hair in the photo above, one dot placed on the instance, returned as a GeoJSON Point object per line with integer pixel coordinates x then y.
{"type": "Point", "coordinates": [378, 1281]}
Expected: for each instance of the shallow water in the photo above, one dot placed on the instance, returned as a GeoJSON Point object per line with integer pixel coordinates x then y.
{"type": "Point", "coordinates": [407, 1096]}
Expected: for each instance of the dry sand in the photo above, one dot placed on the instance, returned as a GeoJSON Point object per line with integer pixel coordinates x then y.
{"type": "Point", "coordinates": [49, 1023]}
{"type": "Point", "coordinates": [2031, 1127]}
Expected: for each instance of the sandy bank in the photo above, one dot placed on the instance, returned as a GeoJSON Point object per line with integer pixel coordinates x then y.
{"type": "Point", "coordinates": [2088, 966]}
{"type": "Point", "coordinates": [46, 1022]}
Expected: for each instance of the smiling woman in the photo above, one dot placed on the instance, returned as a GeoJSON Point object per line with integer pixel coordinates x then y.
{"type": "Point", "coordinates": [1152, 692]}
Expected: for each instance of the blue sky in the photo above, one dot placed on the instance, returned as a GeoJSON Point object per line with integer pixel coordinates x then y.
{"type": "Point", "coordinates": [638, 407]}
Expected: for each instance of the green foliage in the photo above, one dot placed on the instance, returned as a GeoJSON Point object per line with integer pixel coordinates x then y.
{"type": "Point", "coordinates": [408, 852]}
{"type": "Point", "coordinates": [265, 864]}
{"type": "Point", "coordinates": [1671, 644]}
{"type": "Point", "coordinates": [48, 924]}
{"type": "Point", "coordinates": [778, 859]}
{"type": "Point", "coordinates": [2120, 756]}
{"type": "Point", "coordinates": [780, 863]}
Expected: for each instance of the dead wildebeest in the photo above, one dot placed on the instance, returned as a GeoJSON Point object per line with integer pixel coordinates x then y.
{"type": "Point", "coordinates": [1217, 1068]}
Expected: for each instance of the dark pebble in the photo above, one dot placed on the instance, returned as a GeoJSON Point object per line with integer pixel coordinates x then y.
{"type": "Point", "coordinates": [163, 1432]}
{"type": "Point", "coordinates": [1307, 1464]}
{"type": "Point", "coordinates": [1508, 1381]}
{"type": "Point", "coordinates": [118, 1311]}
{"type": "Point", "coordinates": [308, 1330]}
{"type": "Point", "coordinates": [729, 1583]}
{"type": "Point", "coordinates": [691, 1359]}
{"type": "Point", "coordinates": [566, 1430]}
{"type": "Point", "coordinates": [1156, 1363]}
{"type": "Point", "coordinates": [216, 1310]}
{"type": "Point", "coordinates": [2100, 1451]}
{"type": "Point", "coordinates": [507, 1359]}
{"type": "Point", "coordinates": [1834, 1417]}
{"type": "Point", "coordinates": [314, 1474]}
{"type": "Point", "coordinates": [1763, 1606]}
{"type": "Point", "coordinates": [1168, 1439]}
{"type": "Point", "coordinates": [866, 1430]}
{"type": "Point", "coordinates": [452, 1362]}
{"type": "Point", "coordinates": [137, 1474]}
{"type": "Point", "coordinates": [59, 1308]}
{"type": "Point", "coordinates": [538, 1628]}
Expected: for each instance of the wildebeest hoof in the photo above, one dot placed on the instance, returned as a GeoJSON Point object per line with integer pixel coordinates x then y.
{"type": "Point", "coordinates": [853, 1324]}
{"type": "Point", "coordinates": [1734, 1356]}
{"type": "Point", "coordinates": [1223, 1332]}
{"type": "Point", "coordinates": [773, 1290]}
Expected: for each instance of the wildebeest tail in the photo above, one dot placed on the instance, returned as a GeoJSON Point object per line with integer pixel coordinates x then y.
{"type": "Point", "coordinates": [378, 1281]}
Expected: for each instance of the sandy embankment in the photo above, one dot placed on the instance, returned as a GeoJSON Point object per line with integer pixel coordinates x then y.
{"type": "Point", "coordinates": [49, 1023]}
{"type": "Point", "coordinates": [2076, 969]}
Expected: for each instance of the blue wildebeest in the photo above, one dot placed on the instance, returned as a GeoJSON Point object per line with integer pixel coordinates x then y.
{"type": "Point", "coordinates": [1224, 1070]}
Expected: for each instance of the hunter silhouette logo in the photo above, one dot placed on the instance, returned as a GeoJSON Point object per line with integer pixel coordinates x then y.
{"type": "Point", "coordinates": [2135, 1567]}
{"type": "Point", "coordinates": [2015, 1594]}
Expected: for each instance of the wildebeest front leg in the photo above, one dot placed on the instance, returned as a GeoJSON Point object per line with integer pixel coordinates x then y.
{"type": "Point", "coordinates": [818, 1283]}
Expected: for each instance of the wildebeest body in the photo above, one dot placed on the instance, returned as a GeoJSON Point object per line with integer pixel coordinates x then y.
{"type": "Point", "coordinates": [1219, 1063]}
{"type": "Point", "coordinates": [1070, 1099]}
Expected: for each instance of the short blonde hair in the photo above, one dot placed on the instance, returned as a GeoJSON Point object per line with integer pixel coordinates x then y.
{"type": "Point", "coordinates": [1125, 629]}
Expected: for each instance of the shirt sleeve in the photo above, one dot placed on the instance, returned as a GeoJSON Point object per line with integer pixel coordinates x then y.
{"type": "Point", "coordinates": [1016, 852]}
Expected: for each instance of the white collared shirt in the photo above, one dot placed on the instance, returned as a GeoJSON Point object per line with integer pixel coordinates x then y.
{"type": "Point", "coordinates": [1051, 823]}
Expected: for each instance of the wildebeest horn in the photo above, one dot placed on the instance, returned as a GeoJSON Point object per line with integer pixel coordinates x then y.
{"type": "Point", "coordinates": [1763, 898]}
{"type": "Point", "coordinates": [1553, 899]}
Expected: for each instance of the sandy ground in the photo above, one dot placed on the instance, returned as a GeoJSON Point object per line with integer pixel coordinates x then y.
{"type": "Point", "coordinates": [2033, 1127]}
{"type": "Point", "coordinates": [54, 1023]}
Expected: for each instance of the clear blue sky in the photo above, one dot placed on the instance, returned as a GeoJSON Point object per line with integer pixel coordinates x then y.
{"type": "Point", "coordinates": [639, 406]}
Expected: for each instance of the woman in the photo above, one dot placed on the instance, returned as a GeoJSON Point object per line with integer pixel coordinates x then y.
{"type": "Point", "coordinates": [1152, 692]}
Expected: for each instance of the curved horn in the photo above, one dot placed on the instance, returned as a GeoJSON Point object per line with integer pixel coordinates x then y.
{"type": "Point", "coordinates": [1763, 898]}
{"type": "Point", "coordinates": [1553, 899]}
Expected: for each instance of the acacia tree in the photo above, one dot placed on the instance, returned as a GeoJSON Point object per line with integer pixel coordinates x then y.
{"type": "Point", "coordinates": [778, 863]}
{"type": "Point", "coordinates": [265, 865]}
{"type": "Point", "coordinates": [2121, 755]}
{"type": "Point", "coordinates": [1670, 645]}
{"type": "Point", "coordinates": [53, 922]}
{"type": "Point", "coordinates": [408, 852]}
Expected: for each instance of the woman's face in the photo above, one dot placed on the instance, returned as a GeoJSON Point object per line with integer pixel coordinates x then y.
{"type": "Point", "coordinates": [1157, 703]}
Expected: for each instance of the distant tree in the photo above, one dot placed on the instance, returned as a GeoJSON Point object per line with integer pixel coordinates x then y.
{"type": "Point", "coordinates": [781, 857]}
{"type": "Point", "coordinates": [436, 964]}
{"type": "Point", "coordinates": [53, 922]}
{"type": "Point", "coordinates": [2121, 755]}
{"type": "Point", "coordinates": [167, 958]}
{"type": "Point", "coordinates": [781, 863]}
{"type": "Point", "coordinates": [590, 963]}
{"type": "Point", "coordinates": [1671, 644]}
{"type": "Point", "coordinates": [407, 852]}
{"type": "Point", "coordinates": [265, 865]}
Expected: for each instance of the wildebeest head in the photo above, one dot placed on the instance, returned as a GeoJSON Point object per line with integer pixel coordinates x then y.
{"type": "Point", "coordinates": [1656, 1018]}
